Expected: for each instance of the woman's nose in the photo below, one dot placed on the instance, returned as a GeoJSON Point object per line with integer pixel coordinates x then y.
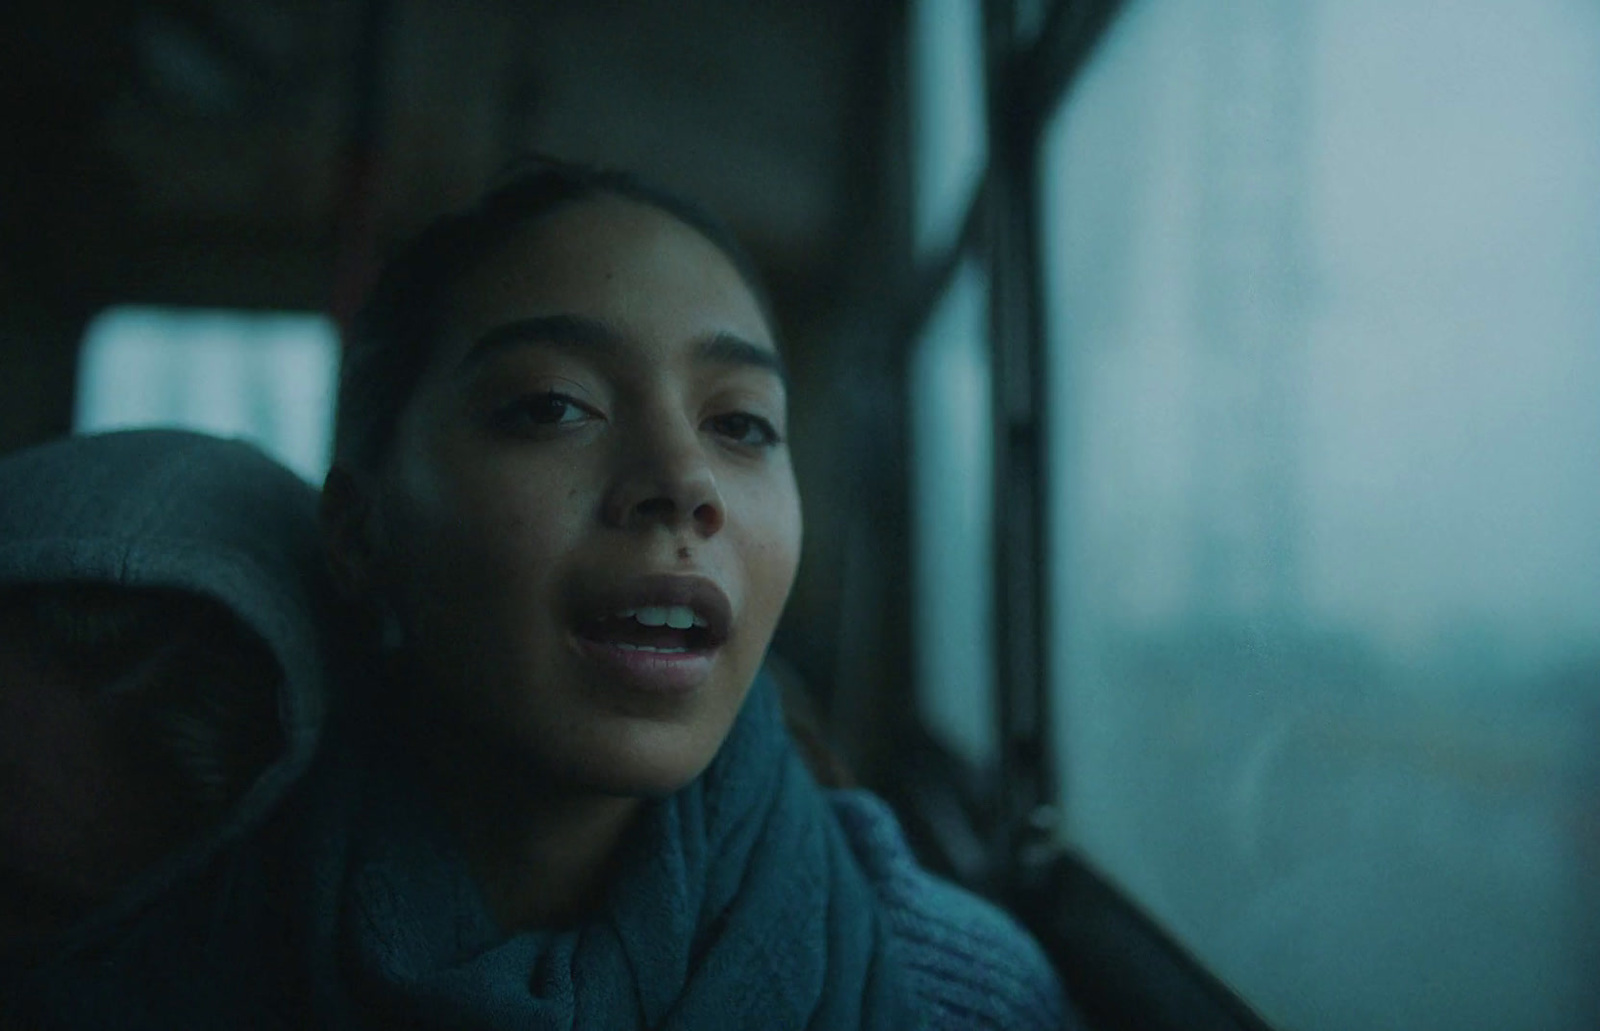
{"type": "Point", "coordinates": [665, 479]}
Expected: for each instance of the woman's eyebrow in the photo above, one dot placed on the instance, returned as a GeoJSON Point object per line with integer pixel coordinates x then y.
{"type": "Point", "coordinates": [578, 333]}
{"type": "Point", "coordinates": [728, 349]}
{"type": "Point", "coordinates": [552, 332]}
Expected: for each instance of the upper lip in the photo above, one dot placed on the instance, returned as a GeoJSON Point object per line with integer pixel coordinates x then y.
{"type": "Point", "coordinates": [664, 590]}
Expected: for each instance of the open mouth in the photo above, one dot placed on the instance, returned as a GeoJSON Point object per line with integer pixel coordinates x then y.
{"type": "Point", "coordinates": [665, 630]}
{"type": "Point", "coordinates": [654, 632]}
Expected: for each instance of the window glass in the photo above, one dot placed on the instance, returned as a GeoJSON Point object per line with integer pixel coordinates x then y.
{"type": "Point", "coordinates": [269, 378]}
{"type": "Point", "coordinates": [951, 486]}
{"type": "Point", "coordinates": [947, 116]}
{"type": "Point", "coordinates": [1325, 333]}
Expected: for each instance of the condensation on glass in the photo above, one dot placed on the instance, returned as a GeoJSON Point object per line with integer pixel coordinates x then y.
{"type": "Point", "coordinates": [1324, 288]}
{"type": "Point", "coordinates": [268, 377]}
{"type": "Point", "coordinates": [952, 524]}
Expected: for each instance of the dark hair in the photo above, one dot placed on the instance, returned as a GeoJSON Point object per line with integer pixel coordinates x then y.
{"type": "Point", "coordinates": [393, 336]}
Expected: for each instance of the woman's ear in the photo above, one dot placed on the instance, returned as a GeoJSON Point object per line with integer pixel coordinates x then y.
{"type": "Point", "coordinates": [349, 530]}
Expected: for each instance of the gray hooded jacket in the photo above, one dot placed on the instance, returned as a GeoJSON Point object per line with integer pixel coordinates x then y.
{"type": "Point", "coordinates": [173, 510]}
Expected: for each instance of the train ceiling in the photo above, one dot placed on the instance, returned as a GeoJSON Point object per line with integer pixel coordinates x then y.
{"type": "Point", "coordinates": [224, 152]}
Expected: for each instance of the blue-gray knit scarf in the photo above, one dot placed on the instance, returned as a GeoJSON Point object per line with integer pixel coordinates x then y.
{"type": "Point", "coordinates": [738, 904]}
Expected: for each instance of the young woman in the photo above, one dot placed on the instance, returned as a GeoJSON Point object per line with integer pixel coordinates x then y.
{"type": "Point", "coordinates": [563, 492]}
{"type": "Point", "coordinates": [560, 793]}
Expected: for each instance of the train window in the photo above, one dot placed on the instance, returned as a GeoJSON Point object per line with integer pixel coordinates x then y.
{"type": "Point", "coordinates": [1325, 354]}
{"type": "Point", "coordinates": [951, 488]}
{"type": "Point", "coordinates": [267, 377]}
{"type": "Point", "coordinates": [947, 121]}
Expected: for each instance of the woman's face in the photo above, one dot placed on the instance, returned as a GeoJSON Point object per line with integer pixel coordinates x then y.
{"type": "Point", "coordinates": [589, 524]}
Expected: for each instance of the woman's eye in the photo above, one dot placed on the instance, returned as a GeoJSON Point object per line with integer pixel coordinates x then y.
{"type": "Point", "coordinates": [544, 409]}
{"type": "Point", "coordinates": [745, 429]}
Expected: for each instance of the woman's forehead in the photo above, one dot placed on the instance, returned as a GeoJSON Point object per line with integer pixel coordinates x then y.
{"type": "Point", "coordinates": [616, 261]}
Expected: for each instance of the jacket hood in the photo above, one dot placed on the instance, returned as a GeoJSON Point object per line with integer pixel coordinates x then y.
{"type": "Point", "coordinates": [174, 510]}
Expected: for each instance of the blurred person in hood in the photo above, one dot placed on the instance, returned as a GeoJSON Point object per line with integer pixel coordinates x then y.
{"type": "Point", "coordinates": [162, 681]}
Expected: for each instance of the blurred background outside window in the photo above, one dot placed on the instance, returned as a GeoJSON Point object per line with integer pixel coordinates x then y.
{"type": "Point", "coordinates": [267, 377]}
{"type": "Point", "coordinates": [948, 147]}
{"type": "Point", "coordinates": [1323, 283]}
{"type": "Point", "coordinates": [952, 486]}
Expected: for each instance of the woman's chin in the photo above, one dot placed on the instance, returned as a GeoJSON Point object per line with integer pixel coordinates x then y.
{"type": "Point", "coordinates": [625, 758]}
{"type": "Point", "coordinates": [641, 750]}
{"type": "Point", "coordinates": [640, 770]}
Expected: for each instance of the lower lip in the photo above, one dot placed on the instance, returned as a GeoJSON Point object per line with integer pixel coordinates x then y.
{"type": "Point", "coordinates": [663, 673]}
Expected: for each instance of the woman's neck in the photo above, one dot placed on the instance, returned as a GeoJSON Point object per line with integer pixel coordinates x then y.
{"type": "Point", "coordinates": [541, 853]}
{"type": "Point", "coordinates": [548, 864]}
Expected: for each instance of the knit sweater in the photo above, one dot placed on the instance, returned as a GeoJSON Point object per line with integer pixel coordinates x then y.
{"type": "Point", "coordinates": [970, 965]}
{"type": "Point", "coordinates": [949, 959]}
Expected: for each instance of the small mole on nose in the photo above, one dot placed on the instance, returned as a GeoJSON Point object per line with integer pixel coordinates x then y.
{"type": "Point", "coordinates": [683, 553]}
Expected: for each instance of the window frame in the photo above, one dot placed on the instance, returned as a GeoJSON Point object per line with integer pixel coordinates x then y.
{"type": "Point", "coordinates": [998, 834]}
{"type": "Point", "coordinates": [1026, 76]}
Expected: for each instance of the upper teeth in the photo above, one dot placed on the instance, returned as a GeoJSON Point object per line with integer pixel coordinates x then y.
{"type": "Point", "coordinates": [678, 617]}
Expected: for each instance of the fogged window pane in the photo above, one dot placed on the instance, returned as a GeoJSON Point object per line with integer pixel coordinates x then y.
{"type": "Point", "coordinates": [951, 485]}
{"type": "Point", "coordinates": [947, 116]}
{"type": "Point", "coordinates": [1325, 289]}
{"type": "Point", "coordinates": [269, 378]}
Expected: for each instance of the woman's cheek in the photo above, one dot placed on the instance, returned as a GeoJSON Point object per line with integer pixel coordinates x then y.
{"type": "Point", "coordinates": [774, 557]}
